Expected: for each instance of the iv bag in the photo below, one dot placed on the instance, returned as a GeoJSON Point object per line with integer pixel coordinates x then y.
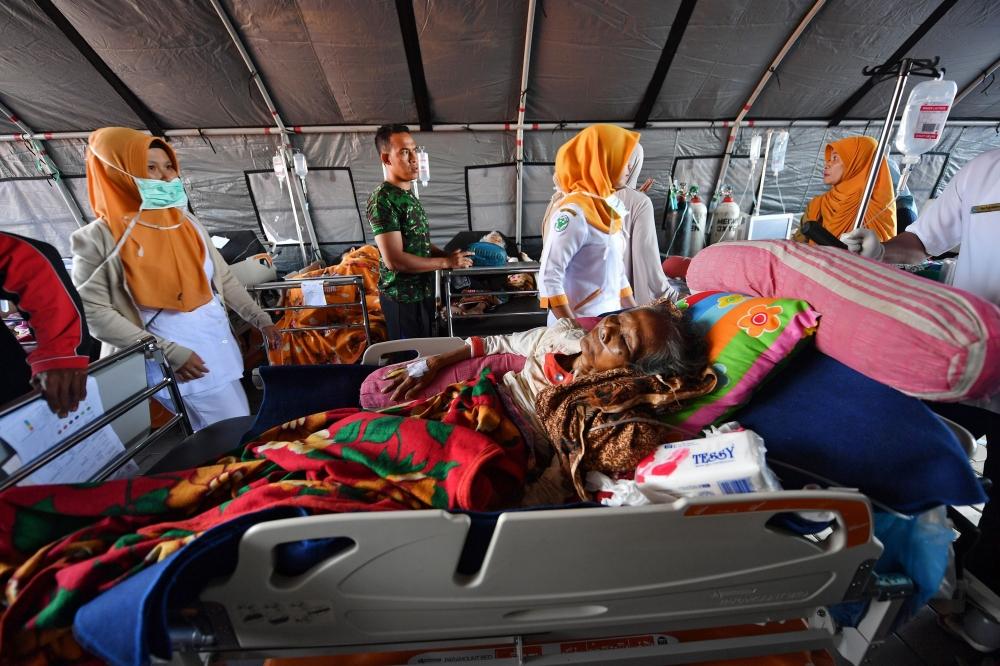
{"type": "Point", "coordinates": [423, 166]}
{"type": "Point", "coordinates": [924, 117]}
{"type": "Point", "coordinates": [778, 152]}
{"type": "Point", "coordinates": [301, 168]}
{"type": "Point", "coordinates": [754, 149]}
{"type": "Point", "coordinates": [279, 168]}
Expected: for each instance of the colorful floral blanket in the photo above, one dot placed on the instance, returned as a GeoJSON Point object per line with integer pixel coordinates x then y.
{"type": "Point", "coordinates": [62, 545]}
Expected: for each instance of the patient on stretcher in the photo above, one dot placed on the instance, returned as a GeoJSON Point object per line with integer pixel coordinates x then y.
{"type": "Point", "coordinates": [590, 399]}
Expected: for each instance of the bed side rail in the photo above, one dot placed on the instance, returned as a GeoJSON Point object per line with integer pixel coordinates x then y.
{"type": "Point", "coordinates": [121, 380]}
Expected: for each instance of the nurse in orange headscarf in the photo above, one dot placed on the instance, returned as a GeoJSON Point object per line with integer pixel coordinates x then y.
{"type": "Point", "coordinates": [845, 171]}
{"type": "Point", "coordinates": [582, 272]}
{"type": "Point", "coordinates": [147, 267]}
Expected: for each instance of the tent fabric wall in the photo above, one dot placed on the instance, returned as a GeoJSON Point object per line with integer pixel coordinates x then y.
{"type": "Point", "coordinates": [968, 22]}
{"type": "Point", "coordinates": [46, 82]}
{"type": "Point", "coordinates": [213, 171]}
{"type": "Point", "coordinates": [344, 63]}
{"type": "Point", "coordinates": [744, 37]}
{"type": "Point", "coordinates": [593, 58]}
{"type": "Point", "coordinates": [824, 68]}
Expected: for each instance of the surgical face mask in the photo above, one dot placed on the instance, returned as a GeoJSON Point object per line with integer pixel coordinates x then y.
{"type": "Point", "coordinates": [155, 194]}
{"type": "Point", "coordinates": [159, 194]}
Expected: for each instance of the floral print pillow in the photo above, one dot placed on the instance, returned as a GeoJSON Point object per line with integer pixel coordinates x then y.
{"type": "Point", "coordinates": [747, 338]}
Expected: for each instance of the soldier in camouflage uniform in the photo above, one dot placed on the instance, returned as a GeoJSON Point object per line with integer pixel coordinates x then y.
{"type": "Point", "coordinates": [399, 224]}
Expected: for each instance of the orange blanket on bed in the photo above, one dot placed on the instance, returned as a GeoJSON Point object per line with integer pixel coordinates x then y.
{"type": "Point", "coordinates": [343, 345]}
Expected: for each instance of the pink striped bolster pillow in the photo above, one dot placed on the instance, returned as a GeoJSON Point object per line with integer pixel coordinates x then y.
{"type": "Point", "coordinates": [925, 339]}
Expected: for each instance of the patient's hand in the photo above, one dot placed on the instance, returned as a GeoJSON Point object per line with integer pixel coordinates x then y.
{"type": "Point", "coordinates": [407, 386]}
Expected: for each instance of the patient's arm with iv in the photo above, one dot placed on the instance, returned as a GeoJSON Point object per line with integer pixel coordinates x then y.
{"type": "Point", "coordinates": [408, 381]}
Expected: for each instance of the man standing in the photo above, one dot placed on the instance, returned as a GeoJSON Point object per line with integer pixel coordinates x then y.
{"type": "Point", "coordinates": [399, 223]}
{"type": "Point", "coordinates": [33, 277]}
{"type": "Point", "coordinates": [968, 214]}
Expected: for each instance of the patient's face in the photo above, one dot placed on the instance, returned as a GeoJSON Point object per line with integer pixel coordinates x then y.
{"type": "Point", "coordinates": [625, 338]}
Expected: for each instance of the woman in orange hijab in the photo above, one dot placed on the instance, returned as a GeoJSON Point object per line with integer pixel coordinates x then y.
{"type": "Point", "coordinates": [147, 267]}
{"type": "Point", "coordinates": [845, 171]}
{"type": "Point", "coordinates": [582, 271]}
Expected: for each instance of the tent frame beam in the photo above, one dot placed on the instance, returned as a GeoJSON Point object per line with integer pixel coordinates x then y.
{"type": "Point", "coordinates": [677, 29]}
{"type": "Point", "coordinates": [145, 115]}
{"type": "Point", "coordinates": [296, 195]}
{"type": "Point", "coordinates": [529, 33]}
{"type": "Point", "coordinates": [841, 113]}
{"type": "Point", "coordinates": [967, 90]}
{"type": "Point", "coordinates": [36, 147]}
{"type": "Point", "coordinates": [480, 127]}
{"type": "Point", "coordinates": [764, 79]}
{"type": "Point", "coordinates": [415, 63]}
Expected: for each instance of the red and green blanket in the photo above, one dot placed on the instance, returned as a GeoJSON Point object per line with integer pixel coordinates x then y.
{"type": "Point", "coordinates": [62, 545]}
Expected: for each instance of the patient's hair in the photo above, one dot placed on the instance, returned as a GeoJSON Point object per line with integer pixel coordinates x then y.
{"type": "Point", "coordinates": [383, 133]}
{"type": "Point", "coordinates": [684, 352]}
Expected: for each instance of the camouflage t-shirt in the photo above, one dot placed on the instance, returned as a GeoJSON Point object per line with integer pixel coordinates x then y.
{"type": "Point", "coordinates": [393, 209]}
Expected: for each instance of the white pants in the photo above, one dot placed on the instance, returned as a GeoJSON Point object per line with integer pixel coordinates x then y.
{"type": "Point", "coordinates": [223, 402]}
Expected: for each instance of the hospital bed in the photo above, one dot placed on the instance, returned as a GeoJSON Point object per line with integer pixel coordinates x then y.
{"type": "Point", "coordinates": [125, 381]}
{"type": "Point", "coordinates": [674, 583]}
{"type": "Point", "coordinates": [529, 314]}
{"type": "Point", "coordinates": [282, 287]}
{"type": "Point", "coordinates": [699, 579]}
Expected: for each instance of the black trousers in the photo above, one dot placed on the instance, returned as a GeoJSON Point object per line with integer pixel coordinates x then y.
{"type": "Point", "coordinates": [408, 320]}
{"type": "Point", "coordinates": [984, 557]}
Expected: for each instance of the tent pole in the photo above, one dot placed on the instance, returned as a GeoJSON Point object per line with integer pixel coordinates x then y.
{"type": "Point", "coordinates": [294, 193]}
{"type": "Point", "coordinates": [48, 165]}
{"type": "Point", "coordinates": [768, 73]}
{"type": "Point", "coordinates": [975, 84]}
{"type": "Point", "coordinates": [519, 141]}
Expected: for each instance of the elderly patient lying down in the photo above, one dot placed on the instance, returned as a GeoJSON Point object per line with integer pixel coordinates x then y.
{"type": "Point", "coordinates": [592, 400]}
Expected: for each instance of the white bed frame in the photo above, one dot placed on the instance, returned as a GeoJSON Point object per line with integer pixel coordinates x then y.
{"type": "Point", "coordinates": [552, 576]}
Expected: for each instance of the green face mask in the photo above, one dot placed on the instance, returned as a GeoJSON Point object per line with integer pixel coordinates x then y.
{"type": "Point", "coordinates": [158, 194]}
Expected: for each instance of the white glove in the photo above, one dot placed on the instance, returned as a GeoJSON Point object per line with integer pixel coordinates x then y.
{"type": "Point", "coordinates": [864, 242]}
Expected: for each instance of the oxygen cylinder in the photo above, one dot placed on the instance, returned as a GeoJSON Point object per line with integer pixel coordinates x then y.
{"type": "Point", "coordinates": [699, 220]}
{"type": "Point", "coordinates": [676, 207]}
{"type": "Point", "coordinates": [726, 222]}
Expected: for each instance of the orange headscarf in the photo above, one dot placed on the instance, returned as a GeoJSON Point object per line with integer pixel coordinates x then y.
{"type": "Point", "coordinates": [592, 161]}
{"type": "Point", "coordinates": [839, 206]}
{"type": "Point", "coordinates": [164, 267]}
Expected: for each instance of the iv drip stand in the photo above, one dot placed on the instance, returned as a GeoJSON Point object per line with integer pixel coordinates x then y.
{"type": "Point", "coordinates": [901, 71]}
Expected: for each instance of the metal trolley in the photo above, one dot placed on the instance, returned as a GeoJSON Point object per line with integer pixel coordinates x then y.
{"type": "Point", "coordinates": [121, 378]}
{"type": "Point", "coordinates": [444, 278]}
{"type": "Point", "coordinates": [257, 291]}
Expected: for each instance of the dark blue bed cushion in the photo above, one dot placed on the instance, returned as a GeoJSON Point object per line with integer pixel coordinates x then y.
{"type": "Point", "coordinates": [839, 427]}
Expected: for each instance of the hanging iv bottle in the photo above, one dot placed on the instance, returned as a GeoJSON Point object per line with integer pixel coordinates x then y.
{"type": "Point", "coordinates": [423, 166]}
{"type": "Point", "coordinates": [924, 117]}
